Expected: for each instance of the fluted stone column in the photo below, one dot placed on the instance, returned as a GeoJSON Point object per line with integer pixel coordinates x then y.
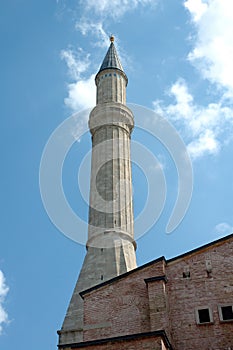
{"type": "Point", "coordinates": [110, 245]}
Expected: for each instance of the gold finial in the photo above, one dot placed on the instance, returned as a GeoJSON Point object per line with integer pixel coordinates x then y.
{"type": "Point", "coordinates": [111, 38]}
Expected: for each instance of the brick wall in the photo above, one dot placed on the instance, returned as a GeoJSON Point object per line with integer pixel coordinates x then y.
{"type": "Point", "coordinates": [158, 304]}
{"type": "Point", "coordinates": [201, 289]}
{"type": "Point", "coordinates": [141, 301]}
{"type": "Point", "coordinates": [121, 307]}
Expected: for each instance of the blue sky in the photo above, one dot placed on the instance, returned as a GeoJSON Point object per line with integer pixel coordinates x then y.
{"type": "Point", "coordinates": [178, 58]}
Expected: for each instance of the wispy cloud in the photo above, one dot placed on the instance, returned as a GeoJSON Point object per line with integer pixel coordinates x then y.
{"type": "Point", "coordinates": [115, 8]}
{"type": "Point", "coordinates": [3, 292]}
{"type": "Point", "coordinates": [87, 26]}
{"type": "Point", "coordinates": [81, 94]}
{"type": "Point", "coordinates": [223, 228]}
{"type": "Point", "coordinates": [77, 62]}
{"type": "Point", "coordinates": [202, 126]}
{"type": "Point", "coordinates": [95, 17]}
{"type": "Point", "coordinates": [197, 8]}
{"type": "Point", "coordinates": [212, 52]}
{"type": "Point", "coordinates": [206, 128]}
{"type": "Point", "coordinates": [81, 91]}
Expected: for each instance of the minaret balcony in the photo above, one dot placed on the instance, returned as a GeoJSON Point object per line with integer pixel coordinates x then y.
{"type": "Point", "coordinates": [107, 114]}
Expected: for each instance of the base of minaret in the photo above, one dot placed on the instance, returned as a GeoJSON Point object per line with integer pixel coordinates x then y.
{"type": "Point", "coordinates": [100, 265]}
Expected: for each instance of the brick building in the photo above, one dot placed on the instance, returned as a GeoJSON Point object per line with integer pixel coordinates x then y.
{"type": "Point", "coordinates": [184, 303]}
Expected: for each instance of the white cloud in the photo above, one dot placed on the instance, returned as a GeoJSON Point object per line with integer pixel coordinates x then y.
{"type": "Point", "coordinates": [203, 127]}
{"type": "Point", "coordinates": [205, 143]}
{"type": "Point", "coordinates": [82, 91]}
{"type": "Point", "coordinates": [206, 127]}
{"type": "Point", "coordinates": [114, 8]}
{"type": "Point", "coordinates": [3, 292]}
{"type": "Point", "coordinates": [81, 94]}
{"type": "Point", "coordinates": [77, 62]}
{"type": "Point", "coordinates": [212, 52]}
{"type": "Point", "coordinates": [223, 228]}
{"type": "Point", "coordinates": [85, 26]}
{"type": "Point", "coordinates": [196, 7]}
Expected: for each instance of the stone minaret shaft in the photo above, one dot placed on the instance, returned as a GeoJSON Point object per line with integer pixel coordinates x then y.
{"type": "Point", "coordinates": [110, 245]}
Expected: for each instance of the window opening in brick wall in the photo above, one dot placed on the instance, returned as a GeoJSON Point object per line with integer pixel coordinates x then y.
{"type": "Point", "coordinates": [226, 312]}
{"type": "Point", "coordinates": [204, 315]}
{"type": "Point", "coordinates": [186, 274]}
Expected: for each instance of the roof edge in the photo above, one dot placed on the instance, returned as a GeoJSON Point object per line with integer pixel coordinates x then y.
{"type": "Point", "coordinates": [207, 245]}
{"type": "Point", "coordinates": [161, 258]}
{"type": "Point", "coordinates": [127, 337]}
{"type": "Point", "coordinates": [86, 291]}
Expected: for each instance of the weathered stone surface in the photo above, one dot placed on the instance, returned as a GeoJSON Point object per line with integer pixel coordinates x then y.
{"type": "Point", "coordinates": [110, 245]}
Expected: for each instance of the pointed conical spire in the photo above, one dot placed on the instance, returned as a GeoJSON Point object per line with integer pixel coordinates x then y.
{"type": "Point", "coordinates": [111, 59]}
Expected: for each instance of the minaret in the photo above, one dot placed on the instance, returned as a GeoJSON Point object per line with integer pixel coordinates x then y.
{"type": "Point", "coordinates": [110, 245]}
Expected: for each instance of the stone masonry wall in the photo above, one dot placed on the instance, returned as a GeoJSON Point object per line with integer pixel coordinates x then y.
{"type": "Point", "coordinates": [125, 306]}
{"type": "Point", "coordinates": [201, 289]}
{"type": "Point", "coordinates": [121, 307]}
{"type": "Point", "coordinates": [158, 304]}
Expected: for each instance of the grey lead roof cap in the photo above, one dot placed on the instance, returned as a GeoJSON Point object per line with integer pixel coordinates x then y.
{"type": "Point", "coordinates": [111, 59]}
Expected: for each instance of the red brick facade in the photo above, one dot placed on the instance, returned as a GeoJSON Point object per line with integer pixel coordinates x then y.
{"type": "Point", "coordinates": [165, 296]}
